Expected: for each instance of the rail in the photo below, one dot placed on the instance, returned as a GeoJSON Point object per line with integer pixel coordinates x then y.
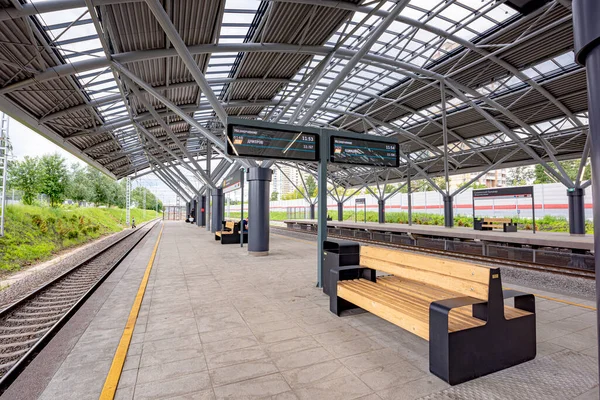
{"type": "Point", "coordinates": [29, 323]}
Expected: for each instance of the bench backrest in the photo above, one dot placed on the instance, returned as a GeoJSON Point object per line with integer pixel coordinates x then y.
{"type": "Point", "coordinates": [498, 220]}
{"type": "Point", "coordinates": [456, 276]}
{"type": "Point", "coordinates": [229, 225]}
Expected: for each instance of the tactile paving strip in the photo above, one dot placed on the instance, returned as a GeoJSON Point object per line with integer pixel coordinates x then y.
{"type": "Point", "coordinates": [563, 375]}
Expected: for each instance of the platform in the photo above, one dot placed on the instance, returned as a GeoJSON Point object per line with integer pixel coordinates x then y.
{"type": "Point", "coordinates": [216, 323]}
{"type": "Point", "coordinates": [540, 239]}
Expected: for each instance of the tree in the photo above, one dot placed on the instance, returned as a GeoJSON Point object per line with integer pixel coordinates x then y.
{"type": "Point", "coordinates": [428, 187]}
{"type": "Point", "coordinates": [101, 186]}
{"type": "Point", "coordinates": [274, 196]}
{"type": "Point", "coordinates": [79, 188]}
{"type": "Point", "coordinates": [54, 178]}
{"type": "Point", "coordinates": [389, 188]}
{"type": "Point", "coordinates": [571, 167]}
{"type": "Point", "coordinates": [296, 194]}
{"type": "Point", "coordinates": [311, 186]}
{"type": "Point", "coordinates": [519, 176]}
{"type": "Point", "coordinates": [25, 176]}
{"type": "Point", "coordinates": [477, 185]}
{"type": "Point", "coordinates": [542, 176]}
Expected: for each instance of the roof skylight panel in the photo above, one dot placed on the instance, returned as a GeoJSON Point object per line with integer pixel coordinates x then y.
{"type": "Point", "coordinates": [566, 59]}
{"type": "Point", "coordinates": [455, 12]}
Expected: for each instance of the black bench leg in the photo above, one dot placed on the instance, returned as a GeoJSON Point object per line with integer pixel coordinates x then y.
{"type": "Point", "coordinates": [337, 304]}
{"type": "Point", "coordinates": [460, 356]}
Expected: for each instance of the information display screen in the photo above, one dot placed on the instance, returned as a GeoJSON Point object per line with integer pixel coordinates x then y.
{"type": "Point", "coordinates": [254, 142]}
{"type": "Point", "coordinates": [364, 152]}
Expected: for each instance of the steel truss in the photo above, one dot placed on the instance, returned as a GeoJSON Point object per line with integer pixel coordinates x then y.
{"type": "Point", "coordinates": [138, 127]}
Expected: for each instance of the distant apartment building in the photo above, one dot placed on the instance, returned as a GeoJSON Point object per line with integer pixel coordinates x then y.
{"type": "Point", "coordinates": [281, 180]}
{"type": "Point", "coordinates": [491, 179]}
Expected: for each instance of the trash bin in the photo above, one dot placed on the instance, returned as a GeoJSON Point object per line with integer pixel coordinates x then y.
{"type": "Point", "coordinates": [338, 253]}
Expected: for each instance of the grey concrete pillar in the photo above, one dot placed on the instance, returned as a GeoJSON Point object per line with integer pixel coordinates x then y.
{"type": "Point", "coordinates": [340, 211]}
{"type": "Point", "coordinates": [207, 210]}
{"type": "Point", "coordinates": [194, 210]}
{"type": "Point", "coordinates": [448, 211]}
{"type": "Point", "coordinates": [312, 211]}
{"type": "Point", "coordinates": [586, 14]}
{"type": "Point", "coordinates": [259, 180]}
{"type": "Point", "coordinates": [409, 201]}
{"type": "Point", "coordinates": [381, 211]}
{"type": "Point", "coordinates": [217, 210]}
{"type": "Point", "coordinates": [576, 211]}
{"type": "Point", "coordinates": [201, 211]}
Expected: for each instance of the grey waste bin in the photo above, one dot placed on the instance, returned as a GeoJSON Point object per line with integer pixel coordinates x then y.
{"type": "Point", "coordinates": [338, 253]}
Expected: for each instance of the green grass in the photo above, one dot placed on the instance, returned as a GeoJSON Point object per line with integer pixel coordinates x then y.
{"type": "Point", "coordinates": [35, 233]}
{"type": "Point", "coordinates": [546, 224]}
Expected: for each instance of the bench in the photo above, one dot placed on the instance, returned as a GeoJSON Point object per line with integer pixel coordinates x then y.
{"type": "Point", "coordinates": [230, 233]}
{"type": "Point", "coordinates": [488, 224]}
{"type": "Point", "coordinates": [457, 306]}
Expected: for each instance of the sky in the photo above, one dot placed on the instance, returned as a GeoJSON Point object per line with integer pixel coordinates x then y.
{"type": "Point", "coordinates": [26, 142]}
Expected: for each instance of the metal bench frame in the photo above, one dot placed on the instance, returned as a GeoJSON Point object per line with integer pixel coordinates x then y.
{"type": "Point", "coordinates": [464, 355]}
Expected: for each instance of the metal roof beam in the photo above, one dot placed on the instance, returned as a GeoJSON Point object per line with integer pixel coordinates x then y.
{"type": "Point", "coordinates": [354, 60]}
{"type": "Point", "coordinates": [169, 132]}
{"type": "Point", "coordinates": [165, 22]}
{"type": "Point", "coordinates": [209, 135]}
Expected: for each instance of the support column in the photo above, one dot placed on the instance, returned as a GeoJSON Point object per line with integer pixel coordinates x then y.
{"type": "Point", "coordinates": [201, 211]}
{"type": "Point", "coordinates": [576, 211]}
{"type": "Point", "coordinates": [312, 210]}
{"type": "Point", "coordinates": [207, 218]}
{"type": "Point", "coordinates": [340, 208]}
{"type": "Point", "coordinates": [188, 209]}
{"type": "Point", "coordinates": [448, 211]}
{"type": "Point", "coordinates": [381, 211]}
{"type": "Point", "coordinates": [217, 210]}
{"type": "Point", "coordinates": [194, 210]}
{"type": "Point", "coordinates": [208, 190]}
{"type": "Point", "coordinates": [586, 14]}
{"type": "Point", "coordinates": [259, 180]}
{"type": "Point", "coordinates": [409, 201]}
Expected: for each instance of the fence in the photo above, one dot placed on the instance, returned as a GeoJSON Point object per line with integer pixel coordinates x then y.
{"type": "Point", "coordinates": [174, 213]}
{"type": "Point", "coordinates": [550, 199]}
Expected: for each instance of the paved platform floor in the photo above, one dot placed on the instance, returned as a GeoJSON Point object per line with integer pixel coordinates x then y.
{"type": "Point", "coordinates": [217, 323]}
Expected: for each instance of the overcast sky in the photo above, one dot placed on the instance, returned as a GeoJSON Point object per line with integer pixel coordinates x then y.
{"type": "Point", "coordinates": [26, 142]}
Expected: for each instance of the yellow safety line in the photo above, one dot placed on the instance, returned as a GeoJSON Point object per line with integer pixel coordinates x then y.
{"type": "Point", "coordinates": [570, 303]}
{"type": "Point", "coordinates": [112, 379]}
{"type": "Point", "coordinates": [536, 295]}
{"type": "Point", "coordinates": [565, 302]}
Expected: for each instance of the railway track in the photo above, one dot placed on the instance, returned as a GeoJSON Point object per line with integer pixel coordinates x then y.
{"type": "Point", "coordinates": [564, 271]}
{"type": "Point", "coordinates": [28, 324]}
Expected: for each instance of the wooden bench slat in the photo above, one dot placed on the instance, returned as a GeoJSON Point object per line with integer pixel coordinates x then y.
{"type": "Point", "coordinates": [387, 305]}
{"type": "Point", "coordinates": [425, 275]}
{"type": "Point", "coordinates": [501, 220]}
{"type": "Point", "coordinates": [438, 265]}
{"type": "Point", "coordinates": [387, 312]}
{"type": "Point", "coordinates": [419, 308]}
{"type": "Point", "coordinates": [419, 290]}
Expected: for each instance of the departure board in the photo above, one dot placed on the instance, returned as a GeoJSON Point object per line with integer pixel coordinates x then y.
{"type": "Point", "coordinates": [255, 142]}
{"type": "Point", "coordinates": [364, 152]}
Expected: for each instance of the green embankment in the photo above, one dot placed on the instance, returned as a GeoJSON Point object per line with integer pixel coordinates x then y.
{"type": "Point", "coordinates": [546, 224]}
{"type": "Point", "coordinates": [34, 233]}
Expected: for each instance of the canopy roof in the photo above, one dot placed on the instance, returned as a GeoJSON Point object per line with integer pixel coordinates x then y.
{"type": "Point", "coordinates": [132, 85]}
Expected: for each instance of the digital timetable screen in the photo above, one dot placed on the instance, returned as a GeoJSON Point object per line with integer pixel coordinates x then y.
{"type": "Point", "coordinates": [364, 152]}
{"type": "Point", "coordinates": [254, 142]}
